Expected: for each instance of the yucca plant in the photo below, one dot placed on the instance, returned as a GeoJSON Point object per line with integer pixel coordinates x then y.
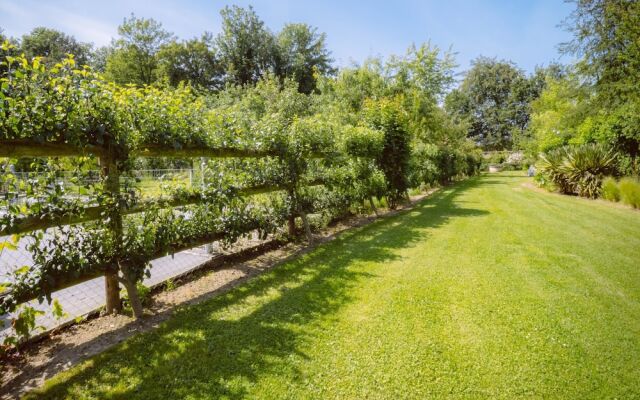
{"type": "Point", "coordinates": [551, 166]}
{"type": "Point", "coordinates": [586, 166]}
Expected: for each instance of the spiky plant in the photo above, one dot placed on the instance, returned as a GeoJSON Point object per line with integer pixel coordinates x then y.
{"type": "Point", "coordinates": [551, 166]}
{"type": "Point", "coordinates": [586, 166]}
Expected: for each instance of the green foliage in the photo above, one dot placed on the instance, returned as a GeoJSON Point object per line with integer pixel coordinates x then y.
{"type": "Point", "coordinates": [557, 115]}
{"type": "Point", "coordinates": [246, 47]}
{"type": "Point", "coordinates": [363, 142]}
{"type": "Point", "coordinates": [360, 147]}
{"type": "Point", "coordinates": [617, 128]}
{"type": "Point", "coordinates": [302, 55]}
{"type": "Point", "coordinates": [57, 310]}
{"type": "Point", "coordinates": [494, 101]}
{"type": "Point", "coordinates": [607, 38]}
{"type": "Point", "coordinates": [388, 117]}
{"type": "Point", "coordinates": [424, 69]}
{"type": "Point", "coordinates": [60, 103]}
{"type": "Point", "coordinates": [54, 46]}
{"type": "Point", "coordinates": [63, 104]}
{"type": "Point", "coordinates": [586, 166]}
{"type": "Point", "coordinates": [23, 324]}
{"type": "Point", "coordinates": [630, 192]}
{"type": "Point", "coordinates": [578, 169]}
{"type": "Point", "coordinates": [192, 61]}
{"type": "Point", "coordinates": [133, 58]}
{"type": "Point", "coordinates": [566, 114]}
{"type": "Point", "coordinates": [610, 190]}
{"type": "Point", "coordinates": [169, 284]}
{"type": "Point", "coordinates": [354, 85]}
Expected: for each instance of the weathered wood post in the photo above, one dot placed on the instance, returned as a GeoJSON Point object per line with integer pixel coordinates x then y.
{"type": "Point", "coordinates": [111, 176]}
{"type": "Point", "coordinates": [203, 163]}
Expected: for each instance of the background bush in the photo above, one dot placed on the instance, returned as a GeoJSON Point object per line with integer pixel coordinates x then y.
{"type": "Point", "coordinates": [610, 190]}
{"type": "Point", "coordinates": [630, 192]}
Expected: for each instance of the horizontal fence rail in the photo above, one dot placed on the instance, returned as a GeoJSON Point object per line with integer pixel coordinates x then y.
{"type": "Point", "coordinates": [30, 148]}
{"type": "Point", "coordinates": [87, 214]}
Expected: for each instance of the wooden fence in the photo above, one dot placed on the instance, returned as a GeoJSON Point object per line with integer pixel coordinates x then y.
{"type": "Point", "coordinates": [108, 158]}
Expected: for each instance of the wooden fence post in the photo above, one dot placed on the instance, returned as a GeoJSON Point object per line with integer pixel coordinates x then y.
{"type": "Point", "coordinates": [203, 162]}
{"type": "Point", "coordinates": [111, 177]}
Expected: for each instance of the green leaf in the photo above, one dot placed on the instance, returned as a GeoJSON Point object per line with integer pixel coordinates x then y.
{"type": "Point", "coordinates": [57, 310]}
{"type": "Point", "coordinates": [8, 245]}
{"type": "Point", "coordinates": [4, 286]}
{"type": "Point", "coordinates": [22, 270]}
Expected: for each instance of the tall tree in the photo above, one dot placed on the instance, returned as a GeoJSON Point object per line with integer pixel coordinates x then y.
{"type": "Point", "coordinates": [192, 61]}
{"type": "Point", "coordinates": [493, 100]}
{"type": "Point", "coordinates": [426, 68]}
{"type": "Point", "coordinates": [133, 59]}
{"type": "Point", "coordinates": [558, 113]}
{"type": "Point", "coordinates": [246, 47]}
{"type": "Point", "coordinates": [100, 57]}
{"type": "Point", "coordinates": [53, 46]}
{"type": "Point", "coordinates": [354, 85]}
{"type": "Point", "coordinates": [302, 55]}
{"type": "Point", "coordinates": [422, 76]}
{"type": "Point", "coordinates": [607, 37]}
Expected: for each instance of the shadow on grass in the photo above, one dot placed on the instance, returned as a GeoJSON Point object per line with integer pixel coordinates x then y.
{"type": "Point", "coordinates": [221, 347]}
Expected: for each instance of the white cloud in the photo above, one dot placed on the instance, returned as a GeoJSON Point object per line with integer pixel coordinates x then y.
{"type": "Point", "coordinates": [20, 18]}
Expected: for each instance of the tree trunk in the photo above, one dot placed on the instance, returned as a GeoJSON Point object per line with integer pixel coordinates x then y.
{"type": "Point", "coordinates": [112, 187]}
{"type": "Point", "coordinates": [291, 223]}
{"type": "Point", "coordinates": [132, 292]}
{"type": "Point", "coordinates": [307, 227]}
{"type": "Point", "coordinates": [373, 206]}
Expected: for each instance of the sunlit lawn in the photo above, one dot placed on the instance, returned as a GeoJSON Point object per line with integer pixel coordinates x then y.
{"type": "Point", "coordinates": [487, 290]}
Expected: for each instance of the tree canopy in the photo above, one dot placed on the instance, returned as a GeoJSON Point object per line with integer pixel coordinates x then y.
{"type": "Point", "coordinates": [606, 35]}
{"type": "Point", "coordinates": [133, 55]}
{"type": "Point", "coordinates": [191, 61]}
{"type": "Point", "coordinates": [493, 100]}
{"type": "Point", "coordinates": [302, 55]}
{"type": "Point", "coordinates": [54, 46]}
{"type": "Point", "coordinates": [245, 45]}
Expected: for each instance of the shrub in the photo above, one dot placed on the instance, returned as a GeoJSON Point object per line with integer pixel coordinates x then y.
{"type": "Point", "coordinates": [550, 167]}
{"type": "Point", "coordinates": [586, 166]}
{"type": "Point", "coordinates": [579, 169]}
{"type": "Point", "coordinates": [389, 117]}
{"type": "Point", "coordinates": [630, 192]}
{"type": "Point", "coordinates": [610, 190]}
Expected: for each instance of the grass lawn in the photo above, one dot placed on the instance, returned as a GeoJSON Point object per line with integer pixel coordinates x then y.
{"type": "Point", "coordinates": [488, 289]}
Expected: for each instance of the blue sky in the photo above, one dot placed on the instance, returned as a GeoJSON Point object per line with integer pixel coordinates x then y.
{"type": "Point", "coordinates": [524, 31]}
